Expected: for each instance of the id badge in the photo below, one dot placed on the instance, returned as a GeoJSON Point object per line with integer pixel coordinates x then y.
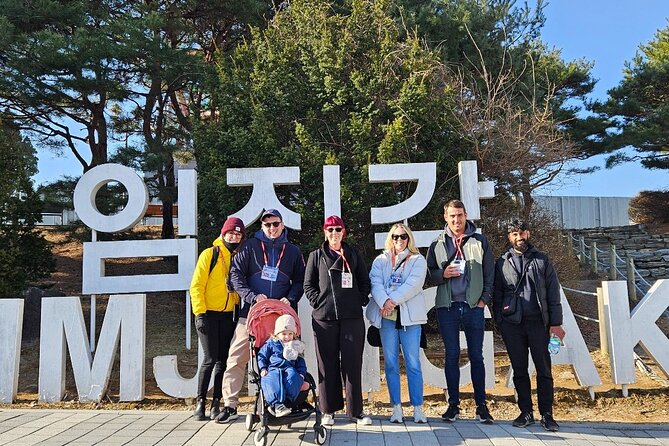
{"type": "Point", "coordinates": [346, 280]}
{"type": "Point", "coordinates": [269, 273]}
{"type": "Point", "coordinates": [395, 279]}
{"type": "Point", "coordinates": [460, 264]}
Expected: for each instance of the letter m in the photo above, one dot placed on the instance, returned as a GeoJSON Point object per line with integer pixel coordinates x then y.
{"type": "Point", "coordinates": [63, 325]}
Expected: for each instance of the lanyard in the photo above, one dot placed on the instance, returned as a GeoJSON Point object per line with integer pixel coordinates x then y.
{"type": "Point", "coordinates": [457, 241]}
{"type": "Point", "coordinates": [403, 263]}
{"type": "Point", "coordinates": [343, 258]}
{"type": "Point", "coordinates": [264, 254]}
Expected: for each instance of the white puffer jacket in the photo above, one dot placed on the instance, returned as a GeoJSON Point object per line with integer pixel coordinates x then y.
{"type": "Point", "coordinates": [408, 296]}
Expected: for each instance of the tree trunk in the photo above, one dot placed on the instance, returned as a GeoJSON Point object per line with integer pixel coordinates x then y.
{"type": "Point", "coordinates": [168, 197]}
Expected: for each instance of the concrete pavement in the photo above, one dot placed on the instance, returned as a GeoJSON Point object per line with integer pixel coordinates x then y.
{"type": "Point", "coordinates": [68, 427]}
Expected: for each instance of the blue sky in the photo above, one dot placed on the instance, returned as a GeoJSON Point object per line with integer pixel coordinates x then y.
{"type": "Point", "coordinates": [606, 32]}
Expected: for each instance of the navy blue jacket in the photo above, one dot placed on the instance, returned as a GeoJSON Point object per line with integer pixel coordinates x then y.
{"type": "Point", "coordinates": [270, 357]}
{"type": "Point", "coordinates": [246, 270]}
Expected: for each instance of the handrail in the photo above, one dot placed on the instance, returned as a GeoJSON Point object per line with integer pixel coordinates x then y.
{"type": "Point", "coordinates": [589, 293]}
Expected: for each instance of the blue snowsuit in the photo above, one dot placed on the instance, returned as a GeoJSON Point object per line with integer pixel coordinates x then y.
{"type": "Point", "coordinates": [283, 381]}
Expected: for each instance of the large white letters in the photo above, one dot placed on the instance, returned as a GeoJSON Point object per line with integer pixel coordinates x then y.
{"type": "Point", "coordinates": [264, 196]}
{"type": "Point", "coordinates": [11, 324]}
{"type": "Point", "coordinates": [624, 330]}
{"type": "Point", "coordinates": [63, 324]}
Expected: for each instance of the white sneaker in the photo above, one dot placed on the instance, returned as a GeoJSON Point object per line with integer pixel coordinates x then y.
{"type": "Point", "coordinates": [397, 416]}
{"type": "Point", "coordinates": [280, 410]}
{"type": "Point", "coordinates": [419, 415]}
{"type": "Point", "coordinates": [362, 419]}
{"type": "Point", "coordinates": [327, 419]}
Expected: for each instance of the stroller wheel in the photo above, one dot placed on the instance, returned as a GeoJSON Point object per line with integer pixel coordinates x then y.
{"type": "Point", "coordinates": [321, 434]}
{"type": "Point", "coordinates": [250, 422]}
{"type": "Point", "coordinates": [260, 437]}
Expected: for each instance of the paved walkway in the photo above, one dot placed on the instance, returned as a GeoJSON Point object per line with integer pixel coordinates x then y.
{"type": "Point", "coordinates": [61, 427]}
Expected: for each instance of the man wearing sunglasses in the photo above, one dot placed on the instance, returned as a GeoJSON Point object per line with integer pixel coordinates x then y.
{"type": "Point", "coordinates": [461, 265]}
{"type": "Point", "coordinates": [267, 267]}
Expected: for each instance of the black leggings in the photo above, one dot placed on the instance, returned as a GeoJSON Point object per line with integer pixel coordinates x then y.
{"type": "Point", "coordinates": [215, 344]}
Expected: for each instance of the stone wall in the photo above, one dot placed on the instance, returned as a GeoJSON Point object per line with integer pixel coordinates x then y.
{"type": "Point", "coordinates": [650, 252]}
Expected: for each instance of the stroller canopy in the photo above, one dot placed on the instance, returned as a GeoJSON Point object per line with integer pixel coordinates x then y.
{"type": "Point", "coordinates": [262, 317]}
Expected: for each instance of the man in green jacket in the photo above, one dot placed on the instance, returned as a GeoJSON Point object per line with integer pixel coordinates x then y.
{"type": "Point", "coordinates": [460, 263]}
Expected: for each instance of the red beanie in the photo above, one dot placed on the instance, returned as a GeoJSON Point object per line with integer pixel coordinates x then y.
{"type": "Point", "coordinates": [233, 224]}
{"type": "Point", "coordinates": [334, 220]}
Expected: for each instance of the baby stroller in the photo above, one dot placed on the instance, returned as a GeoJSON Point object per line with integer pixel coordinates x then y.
{"type": "Point", "coordinates": [260, 325]}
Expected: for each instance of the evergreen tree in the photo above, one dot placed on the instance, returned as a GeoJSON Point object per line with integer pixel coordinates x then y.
{"type": "Point", "coordinates": [317, 87]}
{"type": "Point", "coordinates": [638, 109]}
{"type": "Point", "coordinates": [24, 253]}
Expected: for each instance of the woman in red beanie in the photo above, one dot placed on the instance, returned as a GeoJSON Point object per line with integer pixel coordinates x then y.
{"type": "Point", "coordinates": [214, 306]}
{"type": "Point", "coordinates": [337, 286]}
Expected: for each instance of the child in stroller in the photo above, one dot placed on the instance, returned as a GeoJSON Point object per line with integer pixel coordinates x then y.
{"type": "Point", "coordinates": [261, 324]}
{"type": "Point", "coordinates": [282, 367]}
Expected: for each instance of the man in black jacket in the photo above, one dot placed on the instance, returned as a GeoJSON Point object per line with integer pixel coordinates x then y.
{"type": "Point", "coordinates": [527, 310]}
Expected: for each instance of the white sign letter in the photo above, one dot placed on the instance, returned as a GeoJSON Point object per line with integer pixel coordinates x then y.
{"type": "Point", "coordinates": [63, 324]}
{"type": "Point", "coordinates": [11, 324]}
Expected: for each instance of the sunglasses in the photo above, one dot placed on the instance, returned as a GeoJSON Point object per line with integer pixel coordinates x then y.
{"type": "Point", "coordinates": [400, 236]}
{"type": "Point", "coordinates": [338, 229]}
{"type": "Point", "coordinates": [276, 224]}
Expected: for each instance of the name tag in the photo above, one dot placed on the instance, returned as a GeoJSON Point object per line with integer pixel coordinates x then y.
{"type": "Point", "coordinates": [269, 273]}
{"type": "Point", "coordinates": [460, 264]}
{"type": "Point", "coordinates": [346, 280]}
{"type": "Point", "coordinates": [396, 279]}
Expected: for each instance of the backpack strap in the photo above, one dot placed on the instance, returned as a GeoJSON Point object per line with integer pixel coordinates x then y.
{"type": "Point", "coordinates": [214, 258]}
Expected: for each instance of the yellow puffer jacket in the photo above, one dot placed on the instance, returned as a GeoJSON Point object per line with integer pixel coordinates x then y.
{"type": "Point", "coordinates": [210, 291]}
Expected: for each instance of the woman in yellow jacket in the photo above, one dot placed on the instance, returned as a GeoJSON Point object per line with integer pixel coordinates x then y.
{"type": "Point", "coordinates": [214, 305]}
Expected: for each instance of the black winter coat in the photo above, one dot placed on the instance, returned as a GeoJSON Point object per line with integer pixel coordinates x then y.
{"type": "Point", "coordinates": [322, 284]}
{"type": "Point", "coordinates": [542, 279]}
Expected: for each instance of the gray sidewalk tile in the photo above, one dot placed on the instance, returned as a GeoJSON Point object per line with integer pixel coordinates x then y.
{"type": "Point", "coordinates": [66, 427]}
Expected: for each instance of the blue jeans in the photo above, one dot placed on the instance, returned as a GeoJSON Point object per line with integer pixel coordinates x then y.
{"type": "Point", "coordinates": [409, 337]}
{"type": "Point", "coordinates": [472, 321]}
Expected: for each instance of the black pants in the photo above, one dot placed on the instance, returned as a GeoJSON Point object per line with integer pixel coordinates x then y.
{"type": "Point", "coordinates": [215, 344]}
{"type": "Point", "coordinates": [530, 335]}
{"type": "Point", "coordinates": [339, 346]}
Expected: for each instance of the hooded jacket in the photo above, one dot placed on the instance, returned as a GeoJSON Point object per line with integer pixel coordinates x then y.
{"type": "Point", "coordinates": [210, 291]}
{"type": "Point", "coordinates": [247, 266]}
{"type": "Point", "coordinates": [480, 267]}
{"type": "Point", "coordinates": [270, 356]}
{"type": "Point", "coordinates": [408, 296]}
{"type": "Point", "coordinates": [322, 284]}
{"type": "Point", "coordinates": [540, 277]}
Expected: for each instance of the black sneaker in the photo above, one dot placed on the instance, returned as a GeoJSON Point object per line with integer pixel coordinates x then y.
{"type": "Point", "coordinates": [483, 414]}
{"type": "Point", "coordinates": [523, 420]}
{"type": "Point", "coordinates": [548, 422]}
{"type": "Point", "coordinates": [452, 413]}
{"type": "Point", "coordinates": [227, 414]}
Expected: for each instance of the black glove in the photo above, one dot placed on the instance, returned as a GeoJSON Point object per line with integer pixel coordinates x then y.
{"type": "Point", "coordinates": [201, 323]}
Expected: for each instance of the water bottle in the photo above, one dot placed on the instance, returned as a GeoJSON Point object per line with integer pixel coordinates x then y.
{"type": "Point", "coordinates": [554, 345]}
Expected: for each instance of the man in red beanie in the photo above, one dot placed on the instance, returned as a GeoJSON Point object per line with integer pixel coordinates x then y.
{"type": "Point", "coordinates": [214, 306]}
{"type": "Point", "coordinates": [267, 267]}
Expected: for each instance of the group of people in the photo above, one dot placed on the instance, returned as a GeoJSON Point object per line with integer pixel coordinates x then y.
{"type": "Point", "coordinates": [231, 276]}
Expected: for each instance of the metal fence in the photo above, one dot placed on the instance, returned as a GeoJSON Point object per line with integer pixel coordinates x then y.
{"type": "Point", "coordinates": [587, 212]}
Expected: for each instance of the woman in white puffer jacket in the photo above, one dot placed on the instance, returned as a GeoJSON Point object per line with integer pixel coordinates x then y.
{"type": "Point", "coordinates": [398, 310]}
